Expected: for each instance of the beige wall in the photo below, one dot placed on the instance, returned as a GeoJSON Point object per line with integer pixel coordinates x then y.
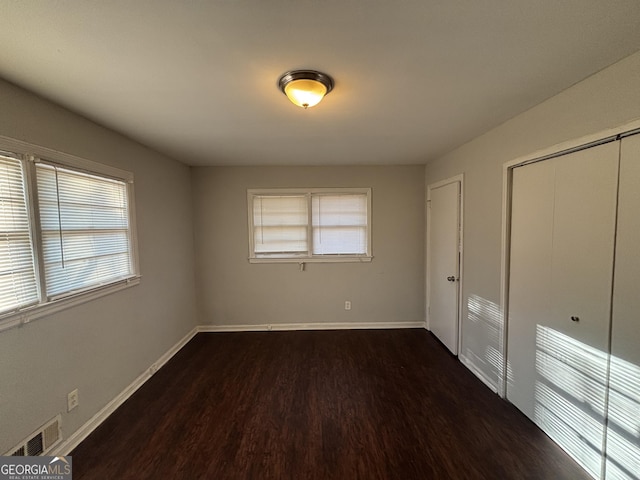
{"type": "Point", "coordinates": [605, 100]}
{"type": "Point", "coordinates": [99, 347]}
{"type": "Point", "coordinates": [233, 292]}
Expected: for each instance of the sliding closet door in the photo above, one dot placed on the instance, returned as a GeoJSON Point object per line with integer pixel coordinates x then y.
{"type": "Point", "coordinates": [623, 429]}
{"type": "Point", "coordinates": [562, 244]}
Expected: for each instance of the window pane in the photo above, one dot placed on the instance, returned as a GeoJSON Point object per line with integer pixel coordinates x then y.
{"type": "Point", "coordinates": [280, 224]}
{"type": "Point", "coordinates": [339, 224]}
{"type": "Point", "coordinates": [18, 286]}
{"type": "Point", "coordinates": [85, 229]}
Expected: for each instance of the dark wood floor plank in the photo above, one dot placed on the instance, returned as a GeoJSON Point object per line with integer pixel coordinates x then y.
{"type": "Point", "coordinates": [381, 404]}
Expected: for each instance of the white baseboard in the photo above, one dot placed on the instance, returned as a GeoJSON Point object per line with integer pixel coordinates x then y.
{"type": "Point", "coordinates": [83, 432]}
{"type": "Point", "coordinates": [67, 446]}
{"type": "Point", "coordinates": [309, 326]}
{"type": "Point", "coordinates": [478, 373]}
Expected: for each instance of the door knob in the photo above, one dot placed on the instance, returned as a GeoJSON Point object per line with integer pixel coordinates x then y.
{"type": "Point", "coordinates": [451, 278]}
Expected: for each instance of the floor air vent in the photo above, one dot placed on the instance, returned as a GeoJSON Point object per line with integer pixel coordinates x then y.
{"type": "Point", "coordinates": [40, 441]}
{"type": "Point", "coordinates": [18, 453]}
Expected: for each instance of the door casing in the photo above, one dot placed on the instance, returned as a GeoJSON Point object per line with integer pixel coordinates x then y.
{"type": "Point", "coordinates": [460, 274]}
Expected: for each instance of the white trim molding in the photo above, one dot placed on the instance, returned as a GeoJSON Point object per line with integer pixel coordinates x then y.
{"type": "Point", "coordinates": [67, 446]}
{"type": "Point", "coordinates": [31, 156]}
{"type": "Point", "coordinates": [456, 179]}
{"type": "Point", "coordinates": [27, 315]}
{"type": "Point", "coordinates": [557, 150]}
{"type": "Point", "coordinates": [309, 326]}
{"type": "Point", "coordinates": [478, 373]}
{"type": "Point", "coordinates": [309, 194]}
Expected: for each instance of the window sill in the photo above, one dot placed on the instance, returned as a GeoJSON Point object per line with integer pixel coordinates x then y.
{"type": "Point", "coordinates": [301, 260]}
{"type": "Point", "coordinates": [26, 315]}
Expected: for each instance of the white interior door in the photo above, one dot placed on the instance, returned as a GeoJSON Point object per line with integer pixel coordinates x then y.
{"type": "Point", "coordinates": [562, 244]}
{"type": "Point", "coordinates": [443, 263]}
{"type": "Point", "coordinates": [623, 426]}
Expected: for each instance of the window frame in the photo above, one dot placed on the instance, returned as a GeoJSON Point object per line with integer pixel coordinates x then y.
{"type": "Point", "coordinates": [29, 156]}
{"type": "Point", "coordinates": [310, 257]}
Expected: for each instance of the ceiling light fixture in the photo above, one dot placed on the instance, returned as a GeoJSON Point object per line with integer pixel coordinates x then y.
{"type": "Point", "coordinates": [305, 88]}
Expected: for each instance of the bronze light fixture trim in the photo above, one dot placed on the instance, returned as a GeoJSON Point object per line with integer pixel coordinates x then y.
{"type": "Point", "coordinates": [305, 88]}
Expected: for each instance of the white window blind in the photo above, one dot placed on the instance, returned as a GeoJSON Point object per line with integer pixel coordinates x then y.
{"type": "Point", "coordinates": [18, 284]}
{"type": "Point", "coordinates": [309, 225]}
{"type": "Point", "coordinates": [280, 225]}
{"type": "Point", "coordinates": [339, 224]}
{"type": "Point", "coordinates": [84, 222]}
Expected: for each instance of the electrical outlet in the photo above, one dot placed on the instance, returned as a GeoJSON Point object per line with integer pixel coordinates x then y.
{"type": "Point", "coordinates": [72, 400]}
{"type": "Point", "coordinates": [347, 305]}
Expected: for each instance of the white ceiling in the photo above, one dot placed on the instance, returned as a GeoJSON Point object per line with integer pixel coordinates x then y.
{"type": "Point", "coordinates": [197, 80]}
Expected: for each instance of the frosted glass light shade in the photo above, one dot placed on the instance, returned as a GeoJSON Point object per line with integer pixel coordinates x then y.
{"type": "Point", "coordinates": [305, 88]}
{"type": "Point", "coordinates": [305, 93]}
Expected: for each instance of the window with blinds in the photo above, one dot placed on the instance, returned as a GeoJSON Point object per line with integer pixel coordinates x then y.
{"type": "Point", "coordinates": [67, 231]}
{"type": "Point", "coordinates": [310, 225]}
{"type": "Point", "coordinates": [339, 224]}
{"type": "Point", "coordinates": [84, 221]}
{"type": "Point", "coordinates": [280, 225]}
{"type": "Point", "coordinates": [18, 284]}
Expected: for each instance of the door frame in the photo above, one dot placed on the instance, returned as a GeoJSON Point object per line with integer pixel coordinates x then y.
{"type": "Point", "coordinates": [442, 183]}
{"type": "Point", "coordinates": [582, 143]}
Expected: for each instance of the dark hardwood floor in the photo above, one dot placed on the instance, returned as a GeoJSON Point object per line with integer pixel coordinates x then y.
{"type": "Point", "coordinates": [382, 404]}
